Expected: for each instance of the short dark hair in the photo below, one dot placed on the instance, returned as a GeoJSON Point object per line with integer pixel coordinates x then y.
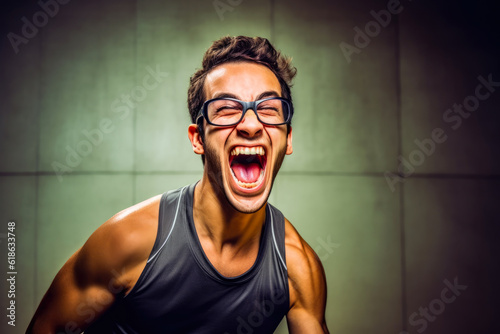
{"type": "Point", "coordinates": [235, 49]}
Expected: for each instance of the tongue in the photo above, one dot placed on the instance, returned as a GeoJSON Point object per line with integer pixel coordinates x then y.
{"type": "Point", "coordinates": [248, 173]}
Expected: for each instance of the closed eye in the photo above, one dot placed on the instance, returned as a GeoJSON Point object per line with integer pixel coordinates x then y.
{"type": "Point", "coordinates": [228, 109]}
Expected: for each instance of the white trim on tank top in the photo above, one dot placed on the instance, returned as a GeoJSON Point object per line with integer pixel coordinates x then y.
{"type": "Point", "coordinates": [171, 229]}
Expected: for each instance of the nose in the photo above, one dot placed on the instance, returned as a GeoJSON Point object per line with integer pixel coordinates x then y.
{"type": "Point", "coordinates": [250, 126]}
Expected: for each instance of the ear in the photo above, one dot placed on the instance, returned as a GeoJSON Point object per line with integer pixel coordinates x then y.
{"type": "Point", "coordinates": [289, 148]}
{"type": "Point", "coordinates": [195, 138]}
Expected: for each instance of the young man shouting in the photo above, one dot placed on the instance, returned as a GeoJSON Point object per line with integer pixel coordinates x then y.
{"type": "Point", "coordinates": [214, 256]}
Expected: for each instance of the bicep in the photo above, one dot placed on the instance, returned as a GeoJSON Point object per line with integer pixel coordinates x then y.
{"type": "Point", "coordinates": [72, 302]}
{"type": "Point", "coordinates": [307, 291]}
{"type": "Point", "coordinates": [307, 314]}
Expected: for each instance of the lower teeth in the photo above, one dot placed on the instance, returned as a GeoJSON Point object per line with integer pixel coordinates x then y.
{"type": "Point", "coordinates": [248, 185]}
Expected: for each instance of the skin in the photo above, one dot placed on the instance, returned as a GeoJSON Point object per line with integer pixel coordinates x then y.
{"type": "Point", "coordinates": [228, 221]}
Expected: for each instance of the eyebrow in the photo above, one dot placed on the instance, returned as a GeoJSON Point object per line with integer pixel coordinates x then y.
{"type": "Point", "coordinates": [261, 96]}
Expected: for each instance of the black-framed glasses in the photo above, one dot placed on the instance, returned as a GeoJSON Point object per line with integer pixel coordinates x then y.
{"type": "Point", "coordinates": [228, 111]}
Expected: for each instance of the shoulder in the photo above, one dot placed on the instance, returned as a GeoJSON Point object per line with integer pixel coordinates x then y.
{"type": "Point", "coordinates": [117, 251]}
{"type": "Point", "coordinates": [300, 257]}
{"type": "Point", "coordinates": [305, 271]}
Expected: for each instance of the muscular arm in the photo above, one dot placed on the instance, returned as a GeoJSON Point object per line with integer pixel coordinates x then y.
{"type": "Point", "coordinates": [107, 266]}
{"type": "Point", "coordinates": [307, 283]}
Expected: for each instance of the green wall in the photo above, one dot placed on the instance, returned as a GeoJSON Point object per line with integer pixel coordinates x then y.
{"type": "Point", "coordinates": [389, 237]}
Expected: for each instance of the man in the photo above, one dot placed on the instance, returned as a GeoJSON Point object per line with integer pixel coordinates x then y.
{"type": "Point", "coordinates": [212, 257]}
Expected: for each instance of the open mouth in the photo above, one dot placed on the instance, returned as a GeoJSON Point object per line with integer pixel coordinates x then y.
{"type": "Point", "coordinates": [248, 165]}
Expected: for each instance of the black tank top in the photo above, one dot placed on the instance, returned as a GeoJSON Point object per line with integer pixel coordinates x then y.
{"type": "Point", "coordinates": [179, 291]}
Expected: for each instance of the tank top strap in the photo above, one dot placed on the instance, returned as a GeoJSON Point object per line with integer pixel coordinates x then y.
{"type": "Point", "coordinates": [170, 205]}
{"type": "Point", "coordinates": [278, 233]}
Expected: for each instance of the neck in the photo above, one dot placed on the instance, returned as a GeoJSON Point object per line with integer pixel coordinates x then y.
{"type": "Point", "coordinates": [216, 219]}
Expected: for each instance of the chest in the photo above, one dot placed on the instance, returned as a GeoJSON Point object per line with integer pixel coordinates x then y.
{"type": "Point", "coordinates": [185, 297]}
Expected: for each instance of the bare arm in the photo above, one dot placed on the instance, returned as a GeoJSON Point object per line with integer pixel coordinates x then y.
{"type": "Point", "coordinates": [307, 286]}
{"type": "Point", "coordinates": [72, 302]}
{"type": "Point", "coordinates": [107, 266]}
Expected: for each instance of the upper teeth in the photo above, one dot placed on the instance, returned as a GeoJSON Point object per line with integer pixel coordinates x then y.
{"type": "Point", "coordinates": [248, 150]}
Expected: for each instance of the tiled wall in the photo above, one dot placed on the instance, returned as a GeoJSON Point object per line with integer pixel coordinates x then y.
{"type": "Point", "coordinates": [390, 245]}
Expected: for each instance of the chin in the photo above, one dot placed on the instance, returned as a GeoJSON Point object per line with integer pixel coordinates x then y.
{"type": "Point", "coordinates": [247, 204]}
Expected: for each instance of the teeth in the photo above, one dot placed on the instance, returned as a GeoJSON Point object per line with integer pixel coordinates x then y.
{"type": "Point", "coordinates": [248, 185]}
{"type": "Point", "coordinates": [256, 150]}
{"type": "Point", "coordinates": [248, 150]}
